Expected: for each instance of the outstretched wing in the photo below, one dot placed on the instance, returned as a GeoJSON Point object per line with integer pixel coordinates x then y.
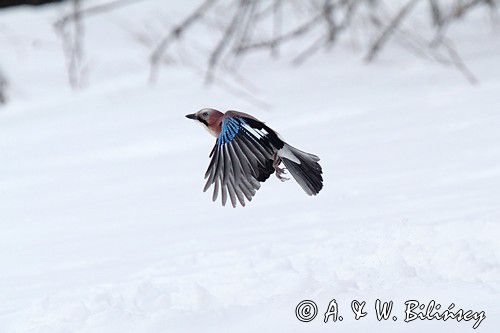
{"type": "Point", "coordinates": [241, 158]}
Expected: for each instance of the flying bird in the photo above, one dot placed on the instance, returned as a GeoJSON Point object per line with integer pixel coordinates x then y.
{"type": "Point", "coordinates": [247, 152]}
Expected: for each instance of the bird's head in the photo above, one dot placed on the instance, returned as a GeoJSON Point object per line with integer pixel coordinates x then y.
{"type": "Point", "coordinates": [210, 118]}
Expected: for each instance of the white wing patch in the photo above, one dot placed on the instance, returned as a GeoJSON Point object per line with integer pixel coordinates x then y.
{"type": "Point", "coordinates": [285, 152]}
{"type": "Point", "coordinates": [257, 133]}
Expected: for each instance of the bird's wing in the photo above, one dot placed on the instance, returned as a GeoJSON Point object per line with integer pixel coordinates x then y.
{"type": "Point", "coordinates": [241, 158]}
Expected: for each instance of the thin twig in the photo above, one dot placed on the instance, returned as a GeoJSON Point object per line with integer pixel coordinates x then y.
{"type": "Point", "coordinates": [97, 9]}
{"type": "Point", "coordinates": [297, 32]}
{"type": "Point", "coordinates": [72, 44]}
{"type": "Point", "coordinates": [387, 32]}
{"type": "Point", "coordinates": [309, 51]}
{"type": "Point", "coordinates": [328, 15]}
{"type": "Point", "coordinates": [3, 88]}
{"type": "Point", "coordinates": [225, 40]}
{"type": "Point", "coordinates": [232, 89]}
{"type": "Point", "coordinates": [174, 34]}
{"type": "Point", "coordinates": [235, 58]}
{"type": "Point", "coordinates": [436, 15]}
{"type": "Point", "coordinates": [277, 23]}
{"type": "Point", "coordinates": [459, 63]}
{"type": "Point", "coordinates": [424, 51]}
{"type": "Point", "coordinates": [456, 12]}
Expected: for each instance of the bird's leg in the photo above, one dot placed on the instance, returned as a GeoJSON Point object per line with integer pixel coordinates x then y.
{"type": "Point", "coordinates": [279, 171]}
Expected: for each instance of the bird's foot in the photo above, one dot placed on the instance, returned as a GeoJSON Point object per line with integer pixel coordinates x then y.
{"type": "Point", "coordinates": [279, 174]}
{"type": "Point", "coordinates": [279, 171]}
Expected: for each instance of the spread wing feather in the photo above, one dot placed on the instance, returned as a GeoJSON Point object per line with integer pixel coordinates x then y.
{"type": "Point", "coordinates": [241, 158]}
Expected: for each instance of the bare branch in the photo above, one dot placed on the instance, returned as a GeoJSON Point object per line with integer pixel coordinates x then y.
{"type": "Point", "coordinates": [455, 13]}
{"type": "Point", "coordinates": [242, 92]}
{"type": "Point", "coordinates": [419, 46]}
{"type": "Point", "coordinates": [277, 23]}
{"type": "Point", "coordinates": [436, 15]}
{"type": "Point", "coordinates": [328, 8]}
{"type": "Point", "coordinates": [72, 43]}
{"type": "Point", "coordinates": [174, 34]}
{"type": "Point", "coordinates": [322, 22]}
{"type": "Point", "coordinates": [459, 63]}
{"type": "Point", "coordinates": [297, 32]}
{"type": "Point", "coordinates": [243, 35]}
{"type": "Point", "coordinates": [3, 88]}
{"type": "Point", "coordinates": [313, 48]}
{"type": "Point", "coordinates": [387, 32]}
{"type": "Point", "coordinates": [225, 40]}
{"type": "Point", "coordinates": [98, 9]}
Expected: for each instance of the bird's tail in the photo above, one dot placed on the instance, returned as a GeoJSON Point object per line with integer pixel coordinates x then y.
{"type": "Point", "coordinates": [304, 168]}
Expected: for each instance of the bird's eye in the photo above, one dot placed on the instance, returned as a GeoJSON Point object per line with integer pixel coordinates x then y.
{"type": "Point", "coordinates": [205, 114]}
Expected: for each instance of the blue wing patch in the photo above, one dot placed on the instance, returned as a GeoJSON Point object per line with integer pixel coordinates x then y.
{"type": "Point", "coordinates": [229, 129]}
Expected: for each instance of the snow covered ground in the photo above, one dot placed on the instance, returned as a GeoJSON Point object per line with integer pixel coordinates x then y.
{"type": "Point", "coordinates": [104, 227]}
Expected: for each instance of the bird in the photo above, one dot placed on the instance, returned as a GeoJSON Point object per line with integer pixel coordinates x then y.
{"type": "Point", "coordinates": [247, 152]}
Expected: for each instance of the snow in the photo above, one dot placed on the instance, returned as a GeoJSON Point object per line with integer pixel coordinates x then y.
{"type": "Point", "coordinates": [105, 227]}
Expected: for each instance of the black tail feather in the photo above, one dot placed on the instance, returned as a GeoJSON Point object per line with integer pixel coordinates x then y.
{"type": "Point", "coordinates": [304, 168]}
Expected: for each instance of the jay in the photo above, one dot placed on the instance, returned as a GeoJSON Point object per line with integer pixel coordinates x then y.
{"type": "Point", "coordinates": [247, 152]}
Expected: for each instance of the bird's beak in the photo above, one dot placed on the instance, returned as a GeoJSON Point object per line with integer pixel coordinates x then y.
{"type": "Point", "coordinates": [191, 116]}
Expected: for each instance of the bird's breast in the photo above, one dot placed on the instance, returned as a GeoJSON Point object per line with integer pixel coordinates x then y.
{"type": "Point", "coordinates": [215, 131]}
